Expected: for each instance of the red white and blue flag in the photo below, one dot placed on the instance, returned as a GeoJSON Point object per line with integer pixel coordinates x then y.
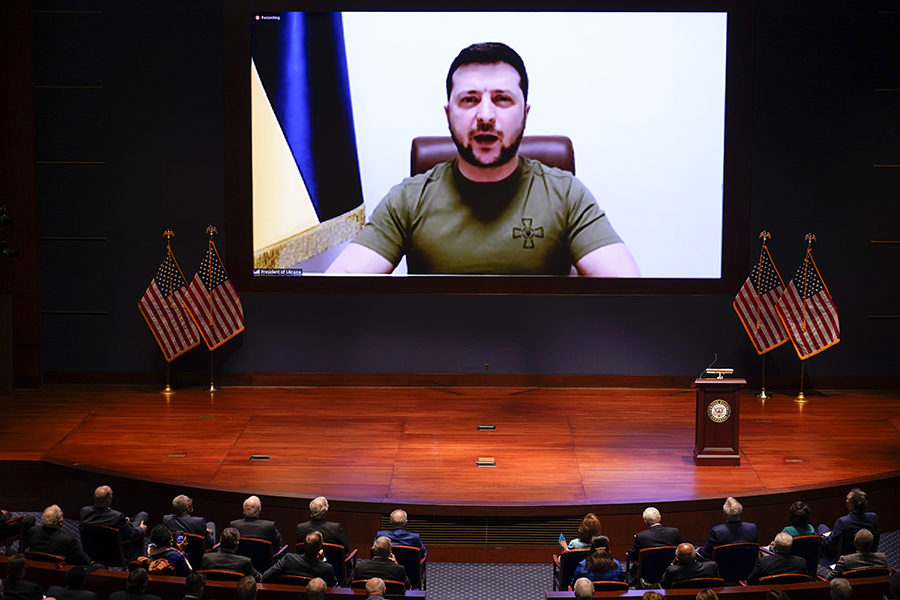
{"type": "Point", "coordinates": [808, 312]}
{"type": "Point", "coordinates": [213, 303]}
{"type": "Point", "coordinates": [755, 305]}
{"type": "Point", "coordinates": [164, 312]}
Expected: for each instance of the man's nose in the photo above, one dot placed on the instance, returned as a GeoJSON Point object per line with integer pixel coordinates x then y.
{"type": "Point", "coordinates": [486, 111]}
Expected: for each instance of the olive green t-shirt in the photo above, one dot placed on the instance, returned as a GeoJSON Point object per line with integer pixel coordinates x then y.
{"type": "Point", "coordinates": [538, 221]}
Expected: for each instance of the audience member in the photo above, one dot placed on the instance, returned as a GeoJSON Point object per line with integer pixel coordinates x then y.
{"type": "Point", "coordinates": [584, 588]}
{"type": "Point", "coordinates": [864, 557]}
{"type": "Point", "coordinates": [331, 532]}
{"type": "Point", "coordinates": [399, 536]}
{"type": "Point", "coordinates": [651, 595]}
{"type": "Point", "coordinates": [707, 594]}
{"type": "Point", "coordinates": [590, 526]}
{"type": "Point", "coordinates": [226, 559]}
{"type": "Point", "coordinates": [7, 530]}
{"type": "Point", "coordinates": [375, 589]}
{"type": "Point", "coordinates": [194, 586]}
{"type": "Point", "coordinates": [798, 514]}
{"type": "Point", "coordinates": [74, 584]}
{"type": "Point", "coordinates": [14, 586]}
{"type": "Point", "coordinates": [182, 519]}
{"type": "Point", "coordinates": [251, 526]}
{"type": "Point", "coordinates": [161, 547]}
{"type": "Point", "coordinates": [732, 530]}
{"type": "Point", "coordinates": [246, 588]}
{"type": "Point", "coordinates": [51, 539]}
{"type": "Point", "coordinates": [841, 589]}
{"type": "Point", "coordinates": [856, 519]}
{"type": "Point", "coordinates": [654, 536]}
{"type": "Point", "coordinates": [779, 563]}
{"type": "Point", "coordinates": [132, 529]}
{"type": "Point", "coordinates": [776, 594]}
{"type": "Point", "coordinates": [600, 565]}
{"type": "Point", "coordinates": [686, 566]}
{"type": "Point", "coordinates": [135, 587]}
{"type": "Point", "coordinates": [894, 583]}
{"type": "Point", "coordinates": [383, 564]}
{"type": "Point", "coordinates": [310, 563]}
{"type": "Point", "coordinates": [316, 588]}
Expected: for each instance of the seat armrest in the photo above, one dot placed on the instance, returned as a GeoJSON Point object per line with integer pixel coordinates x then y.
{"type": "Point", "coordinates": [280, 551]}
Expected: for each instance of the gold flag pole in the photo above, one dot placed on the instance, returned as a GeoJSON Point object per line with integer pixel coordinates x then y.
{"type": "Point", "coordinates": [809, 239]}
{"type": "Point", "coordinates": [765, 235]}
{"type": "Point", "coordinates": [169, 234]}
{"type": "Point", "coordinates": [212, 382]}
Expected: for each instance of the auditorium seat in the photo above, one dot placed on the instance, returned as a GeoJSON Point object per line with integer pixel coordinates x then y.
{"type": "Point", "coordinates": [260, 552]}
{"type": "Point", "coordinates": [699, 583]}
{"type": "Point", "coordinates": [412, 560]}
{"type": "Point", "coordinates": [16, 524]}
{"type": "Point", "coordinates": [343, 563]}
{"type": "Point", "coordinates": [651, 563]}
{"type": "Point", "coordinates": [735, 561]}
{"type": "Point", "coordinates": [104, 544]}
{"type": "Point", "coordinates": [564, 565]}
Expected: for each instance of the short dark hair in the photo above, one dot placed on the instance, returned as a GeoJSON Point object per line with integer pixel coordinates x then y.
{"type": "Point", "coordinates": [137, 581]}
{"type": "Point", "coordinates": [75, 577]}
{"type": "Point", "coordinates": [858, 500]}
{"type": "Point", "coordinates": [194, 583]}
{"type": "Point", "coordinates": [161, 536]}
{"type": "Point", "coordinates": [487, 53]}
{"type": "Point", "coordinates": [16, 565]}
{"type": "Point", "coordinates": [230, 538]}
{"type": "Point", "coordinates": [313, 543]}
{"type": "Point", "coordinates": [246, 587]}
{"type": "Point", "coordinates": [799, 514]}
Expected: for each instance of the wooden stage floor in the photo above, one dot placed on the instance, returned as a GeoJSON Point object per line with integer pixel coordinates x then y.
{"type": "Point", "coordinates": [419, 445]}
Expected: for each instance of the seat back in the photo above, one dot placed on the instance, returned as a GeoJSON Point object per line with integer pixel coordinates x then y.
{"type": "Point", "coordinates": [45, 557]}
{"type": "Point", "coordinates": [258, 551]}
{"type": "Point", "coordinates": [16, 524]}
{"type": "Point", "coordinates": [735, 561]}
{"type": "Point", "coordinates": [552, 150]}
{"type": "Point", "coordinates": [292, 579]}
{"type": "Point", "coordinates": [411, 559]}
{"type": "Point", "coordinates": [699, 583]}
{"type": "Point", "coordinates": [221, 574]}
{"type": "Point", "coordinates": [810, 548]}
{"type": "Point", "coordinates": [564, 566]}
{"type": "Point", "coordinates": [844, 543]}
{"type": "Point", "coordinates": [196, 546]}
{"type": "Point", "coordinates": [334, 554]}
{"type": "Point", "coordinates": [103, 544]}
{"type": "Point", "coordinates": [652, 562]}
{"type": "Point", "coordinates": [392, 587]}
{"type": "Point", "coordinates": [783, 579]}
{"type": "Point", "coordinates": [866, 572]}
{"type": "Point", "coordinates": [610, 585]}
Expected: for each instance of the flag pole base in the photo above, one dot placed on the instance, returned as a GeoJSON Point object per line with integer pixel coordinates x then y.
{"type": "Point", "coordinates": [212, 388]}
{"type": "Point", "coordinates": [800, 398]}
{"type": "Point", "coordinates": [762, 395]}
{"type": "Point", "coordinates": [168, 391]}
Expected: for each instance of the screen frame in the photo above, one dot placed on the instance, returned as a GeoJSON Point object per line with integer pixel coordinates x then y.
{"type": "Point", "coordinates": [736, 196]}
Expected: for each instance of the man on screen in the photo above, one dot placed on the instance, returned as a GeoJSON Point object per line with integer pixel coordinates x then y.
{"type": "Point", "coordinates": [489, 211]}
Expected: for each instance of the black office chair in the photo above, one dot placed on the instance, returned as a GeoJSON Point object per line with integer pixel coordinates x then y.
{"type": "Point", "coordinates": [552, 150]}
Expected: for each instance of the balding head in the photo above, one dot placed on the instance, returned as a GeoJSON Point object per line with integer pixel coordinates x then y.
{"type": "Point", "coordinates": [651, 516]}
{"type": "Point", "coordinates": [375, 587]}
{"type": "Point", "coordinates": [103, 496]}
{"type": "Point", "coordinates": [398, 519]}
{"type": "Point", "coordinates": [312, 544]}
{"type": "Point", "coordinates": [685, 554]}
{"type": "Point", "coordinates": [252, 506]}
{"type": "Point", "coordinates": [52, 517]}
{"type": "Point", "coordinates": [583, 588]}
{"type": "Point", "coordinates": [181, 504]}
{"type": "Point", "coordinates": [863, 540]}
{"type": "Point", "coordinates": [841, 589]}
{"type": "Point", "coordinates": [318, 508]}
{"type": "Point", "coordinates": [382, 547]}
{"type": "Point", "coordinates": [315, 589]}
{"type": "Point", "coordinates": [783, 543]}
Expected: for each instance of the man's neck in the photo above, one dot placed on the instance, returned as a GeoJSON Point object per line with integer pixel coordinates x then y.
{"type": "Point", "coordinates": [488, 174]}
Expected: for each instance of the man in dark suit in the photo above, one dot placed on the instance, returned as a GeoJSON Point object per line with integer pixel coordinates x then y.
{"type": "Point", "coordinates": [72, 591]}
{"type": "Point", "coordinates": [226, 559]}
{"type": "Point", "coordinates": [51, 539]}
{"type": "Point", "coordinates": [780, 562]}
{"type": "Point", "coordinates": [135, 587]}
{"type": "Point", "coordinates": [182, 519]}
{"type": "Point", "coordinates": [733, 530]}
{"type": "Point", "coordinates": [383, 564]}
{"type": "Point", "coordinates": [332, 533]}
{"type": "Point", "coordinates": [654, 536]}
{"type": "Point", "coordinates": [101, 514]}
{"type": "Point", "coordinates": [251, 526]}
{"type": "Point", "coordinates": [194, 586]}
{"type": "Point", "coordinates": [863, 557]}
{"type": "Point", "coordinates": [15, 587]}
{"type": "Point", "coordinates": [687, 567]}
{"type": "Point", "coordinates": [857, 503]}
{"type": "Point", "coordinates": [400, 536]}
{"type": "Point", "coordinates": [310, 563]}
{"type": "Point", "coordinates": [7, 530]}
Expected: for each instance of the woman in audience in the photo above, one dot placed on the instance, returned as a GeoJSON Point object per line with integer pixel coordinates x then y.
{"type": "Point", "coordinates": [600, 565]}
{"type": "Point", "coordinates": [590, 526]}
{"type": "Point", "coordinates": [799, 515]}
{"type": "Point", "coordinates": [707, 594]}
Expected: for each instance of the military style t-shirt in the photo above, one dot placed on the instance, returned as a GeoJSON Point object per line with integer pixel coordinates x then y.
{"type": "Point", "coordinates": [538, 221]}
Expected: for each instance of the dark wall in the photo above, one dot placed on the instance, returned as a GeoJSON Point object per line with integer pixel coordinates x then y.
{"type": "Point", "coordinates": [155, 124]}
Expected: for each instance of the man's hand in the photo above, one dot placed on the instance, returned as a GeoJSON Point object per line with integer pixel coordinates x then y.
{"type": "Point", "coordinates": [142, 527]}
{"type": "Point", "coordinates": [392, 558]}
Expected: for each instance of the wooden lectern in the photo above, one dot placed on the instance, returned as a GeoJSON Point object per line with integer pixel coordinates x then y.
{"type": "Point", "coordinates": [718, 422]}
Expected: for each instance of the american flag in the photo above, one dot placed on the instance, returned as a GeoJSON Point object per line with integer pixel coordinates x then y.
{"type": "Point", "coordinates": [162, 308]}
{"type": "Point", "coordinates": [755, 305]}
{"type": "Point", "coordinates": [808, 312]}
{"type": "Point", "coordinates": [213, 303]}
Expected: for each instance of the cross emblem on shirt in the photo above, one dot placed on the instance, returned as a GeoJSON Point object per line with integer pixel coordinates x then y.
{"type": "Point", "coordinates": [527, 232]}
